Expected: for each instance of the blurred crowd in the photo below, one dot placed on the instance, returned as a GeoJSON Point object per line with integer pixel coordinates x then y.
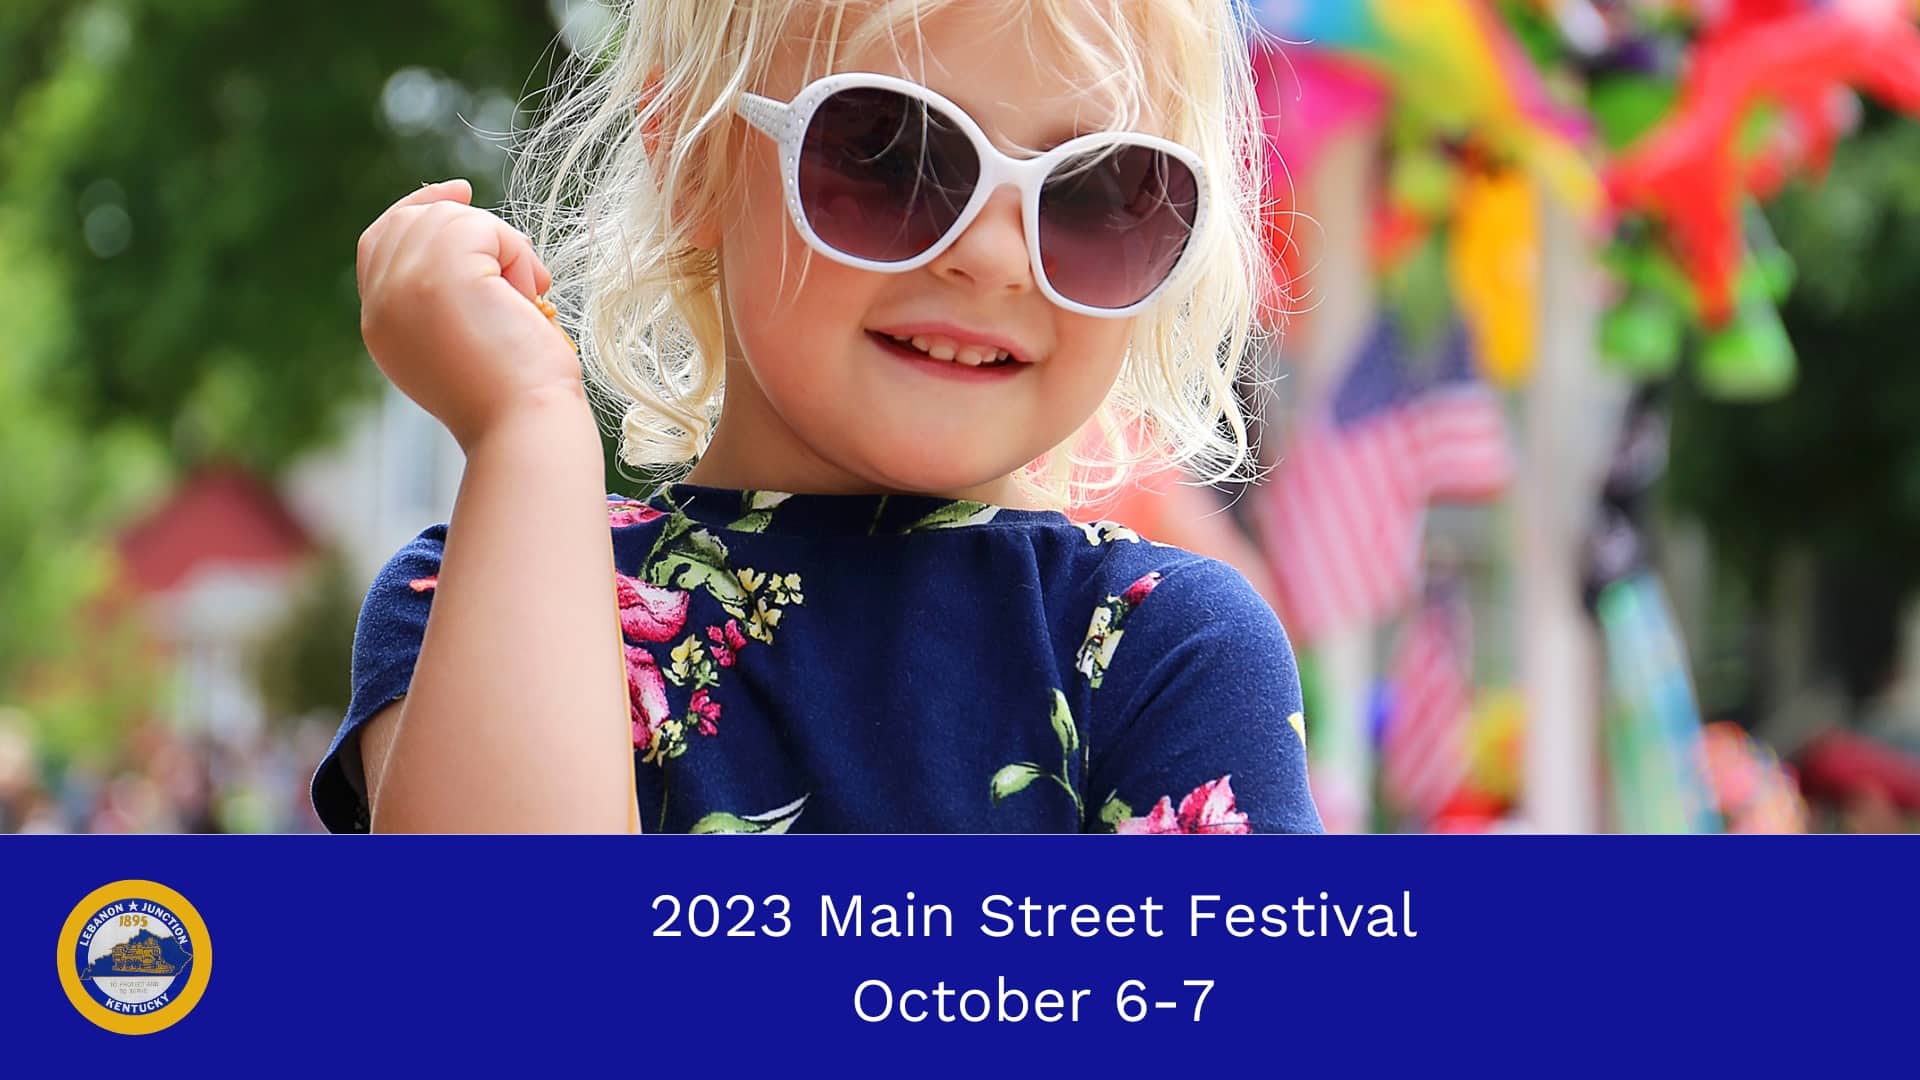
{"type": "Point", "coordinates": [161, 780]}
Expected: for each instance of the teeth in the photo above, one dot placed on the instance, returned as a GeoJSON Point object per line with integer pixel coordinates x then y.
{"type": "Point", "coordinates": [945, 348]}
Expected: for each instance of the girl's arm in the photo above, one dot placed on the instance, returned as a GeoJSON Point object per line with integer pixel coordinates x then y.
{"type": "Point", "coordinates": [515, 716]}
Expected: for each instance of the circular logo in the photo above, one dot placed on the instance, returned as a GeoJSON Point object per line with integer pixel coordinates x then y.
{"type": "Point", "coordinates": [134, 957]}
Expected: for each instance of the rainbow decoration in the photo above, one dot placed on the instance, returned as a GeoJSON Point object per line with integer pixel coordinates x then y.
{"type": "Point", "coordinates": [1454, 64]}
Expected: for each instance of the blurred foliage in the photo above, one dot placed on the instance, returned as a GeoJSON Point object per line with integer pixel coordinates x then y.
{"type": "Point", "coordinates": [1834, 468]}
{"type": "Point", "coordinates": [193, 175]}
{"type": "Point", "coordinates": [182, 183]}
{"type": "Point", "coordinates": [86, 692]}
{"type": "Point", "coordinates": [304, 665]}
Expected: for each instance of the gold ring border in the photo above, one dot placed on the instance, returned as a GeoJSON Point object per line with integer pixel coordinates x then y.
{"type": "Point", "coordinates": [182, 1004]}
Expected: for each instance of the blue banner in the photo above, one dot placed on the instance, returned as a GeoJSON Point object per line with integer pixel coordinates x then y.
{"type": "Point", "coordinates": [858, 955]}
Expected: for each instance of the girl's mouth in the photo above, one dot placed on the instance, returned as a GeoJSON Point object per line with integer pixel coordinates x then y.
{"type": "Point", "coordinates": [946, 356]}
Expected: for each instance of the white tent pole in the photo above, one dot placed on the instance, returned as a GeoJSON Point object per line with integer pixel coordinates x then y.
{"type": "Point", "coordinates": [1571, 411]}
{"type": "Point", "coordinates": [1342, 306]}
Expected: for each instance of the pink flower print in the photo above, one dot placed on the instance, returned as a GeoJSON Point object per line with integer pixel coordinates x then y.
{"type": "Point", "coordinates": [649, 612]}
{"type": "Point", "coordinates": [623, 514]}
{"type": "Point", "coordinates": [706, 710]}
{"type": "Point", "coordinates": [646, 696]}
{"type": "Point", "coordinates": [727, 642]}
{"type": "Point", "coordinates": [1138, 591]}
{"type": "Point", "coordinates": [1208, 808]}
{"type": "Point", "coordinates": [1159, 821]}
{"type": "Point", "coordinates": [424, 584]}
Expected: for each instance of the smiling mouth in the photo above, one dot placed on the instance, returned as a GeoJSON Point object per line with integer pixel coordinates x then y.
{"type": "Point", "coordinates": [941, 348]}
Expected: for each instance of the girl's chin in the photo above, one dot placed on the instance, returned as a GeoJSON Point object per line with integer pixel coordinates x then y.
{"type": "Point", "coordinates": [922, 470]}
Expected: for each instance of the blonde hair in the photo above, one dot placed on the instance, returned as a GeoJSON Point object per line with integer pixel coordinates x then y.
{"type": "Point", "coordinates": [611, 198]}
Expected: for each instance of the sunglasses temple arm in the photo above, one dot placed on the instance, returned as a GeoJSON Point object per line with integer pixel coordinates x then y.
{"type": "Point", "coordinates": [762, 112]}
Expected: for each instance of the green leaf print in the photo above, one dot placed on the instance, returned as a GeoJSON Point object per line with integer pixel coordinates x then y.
{"type": "Point", "coordinates": [1063, 728]}
{"type": "Point", "coordinates": [757, 510]}
{"type": "Point", "coordinates": [1115, 811]}
{"type": "Point", "coordinates": [769, 823]}
{"type": "Point", "coordinates": [954, 515]}
{"type": "Point", "coordinates": [678, 525]}
{"type": "Point", "coordinates": [699, 560]}
{"type": "Point", "coordinates": [1014, 778]}
{"type": "Point", "coordinates": [718, 822]}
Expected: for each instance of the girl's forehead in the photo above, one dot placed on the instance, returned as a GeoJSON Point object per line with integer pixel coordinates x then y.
{"type": "Point", "coordinates": [1009, 69]}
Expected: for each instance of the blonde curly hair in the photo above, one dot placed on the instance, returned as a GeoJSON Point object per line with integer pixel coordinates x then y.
{"type": "Point", "coordinates": [631, 151]}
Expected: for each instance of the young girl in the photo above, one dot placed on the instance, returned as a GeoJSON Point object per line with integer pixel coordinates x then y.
{"type": "Point", "coordinates": [881, 272]}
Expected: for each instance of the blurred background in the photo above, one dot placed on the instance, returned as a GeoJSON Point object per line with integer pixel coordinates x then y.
{"type": "Point", "coordinates": [1590, 413]}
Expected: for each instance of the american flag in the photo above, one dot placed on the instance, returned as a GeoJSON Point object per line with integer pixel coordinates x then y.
{"type": "Point", "coordinates": [1423, 753]}
{"type": "Point", "coordinates": [1463, 430]}
{"type": "Point", "coordinates": [1342, 520]}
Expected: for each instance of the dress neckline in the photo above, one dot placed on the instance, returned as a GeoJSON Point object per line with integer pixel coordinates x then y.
{"type": "Point", "coordinates": [755, 511]}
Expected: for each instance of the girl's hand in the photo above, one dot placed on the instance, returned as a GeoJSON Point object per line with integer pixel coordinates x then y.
{"type": "Point", "coordinates": [448, 310]}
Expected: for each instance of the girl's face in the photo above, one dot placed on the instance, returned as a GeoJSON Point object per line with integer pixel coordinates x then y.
{"type": "Point", "coordinates": [820, 397]}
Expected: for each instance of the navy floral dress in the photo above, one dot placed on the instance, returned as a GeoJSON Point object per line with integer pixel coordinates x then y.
{"type": "Point", "coordinates": [865, 663]}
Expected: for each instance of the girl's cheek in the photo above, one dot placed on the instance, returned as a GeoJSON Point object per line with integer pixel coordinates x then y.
{"type": "Point", "coordinates": [1099, 346]}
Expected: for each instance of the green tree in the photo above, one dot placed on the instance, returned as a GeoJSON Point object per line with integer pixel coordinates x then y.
{"type": "Point", "coordinates": [1833, 468]}
{"type": "Point", "coordinates": [182, 183]}
{"type": "Point", "coordinates": [195, 174]}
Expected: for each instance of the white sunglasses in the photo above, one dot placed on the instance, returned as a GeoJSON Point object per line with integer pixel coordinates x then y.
{"type": "Point", "coordinates": [884, 174]}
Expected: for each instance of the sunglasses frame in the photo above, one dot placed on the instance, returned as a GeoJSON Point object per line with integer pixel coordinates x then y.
{"type": "Point", "coordinates": [787, 123]}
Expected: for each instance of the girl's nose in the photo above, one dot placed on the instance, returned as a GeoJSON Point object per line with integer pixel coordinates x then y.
{"type": "Point", "coordinates": [991, 255]}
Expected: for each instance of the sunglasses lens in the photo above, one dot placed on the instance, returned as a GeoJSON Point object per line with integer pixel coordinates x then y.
{"type": "Point", "coordinates": [882, 175]}
{"type": "Point", "coordinates": [1113, 224]}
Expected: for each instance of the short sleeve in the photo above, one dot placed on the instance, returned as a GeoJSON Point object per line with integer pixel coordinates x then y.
{"type": "Point", "coordinates": [386, 643]}
{"type": "Point", "coordinates": [1200, 711]}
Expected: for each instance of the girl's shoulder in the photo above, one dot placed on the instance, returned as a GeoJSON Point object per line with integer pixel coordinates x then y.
{"type": "Point", "coordinates": [1124, 568]}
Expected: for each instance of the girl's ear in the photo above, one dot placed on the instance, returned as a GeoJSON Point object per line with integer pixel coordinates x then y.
{"type": "Point", "coordinates": [704, 234]}
{"type": "Point", "coordinates": [649, 120]}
